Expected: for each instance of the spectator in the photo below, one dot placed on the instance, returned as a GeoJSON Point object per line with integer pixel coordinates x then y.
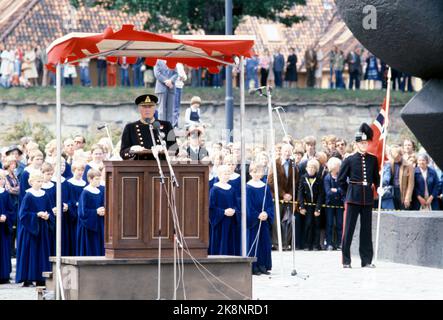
{"type": "Point", "coordinates": [124, 72]}
{"type": "Point", "coordinates": [101, 71]}
{"type": "Point", "coordinates": [6, 68]}
{"type": "Point", "coordinates": [192, 114]}
{"type": "Point", "coordinates": [264, 63]}
{"type": "Point", "coordinates": [165, 90]}
{"type": "Point", "coordinates": [319, 69]}
{"type": "Point", "coordinates": [196, 151]}
{"type": "Point", "coordinates": [426, 185]}
{"type": "Point", "coordinates": [84, 72]}
{"type": "Point", "coordinates": [148, 76]}
{"type": "Point", "coordinates": [69, 73]}
{"type": "Point", "coordinates": [179, 83]}
{"type": "Point", "coordinates": [311, 66]}
{"type": "Point", "coordinates": [372, 72]}
{"type": "Point", "coordinates": [251, 72]}
{"type": "Point", "coordinates": [408, 148]}
{"type": "Point", "coordinates": [338, 67]}
{"type": "Point", "coordinates": [278, 67]}
{"type": "Point", "coordinates": [137, 73]}
{"type": "Point", "coordinates": [291, 76]}
{"type": "Point", "coordinates": [355, 70]}
{"type": "Point", "coordinates": [111, 74]}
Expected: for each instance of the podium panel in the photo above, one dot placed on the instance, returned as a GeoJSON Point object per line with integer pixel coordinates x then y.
{"type": "Point", "coordinates": [138, 209]}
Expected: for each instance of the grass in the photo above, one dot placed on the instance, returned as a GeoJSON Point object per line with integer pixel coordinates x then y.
{"type": "Point", "coordinates": [120, 95]}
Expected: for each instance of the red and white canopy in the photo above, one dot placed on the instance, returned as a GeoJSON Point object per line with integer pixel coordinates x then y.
{"type": "Point", "coordinates": [192, 50]}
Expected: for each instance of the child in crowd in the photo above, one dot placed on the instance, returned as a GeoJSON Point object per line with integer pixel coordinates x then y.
{"type": "Point", "coordinates": [6, 223]}
{"type": "Point", "coordinates": [35, 162]}
{"type": "Point", "coordinates": [91, 211]}
{"type": "Point", "coordinates": [334, 205]}
{"type": "Point", "coordinates": [97, 154]}
{"type": "Point", "coordinates": [192, 114]}
{"type": "Point", "coordinates": [223, 216]}
{"type": "Point", "coordinates": [76, 186]}
{"type": "Point", "coordinates": [310, 199]}
{"type": "Point", "coordinates": [33, 242]}
{"type": "Point", "coordinates": [260, 216]}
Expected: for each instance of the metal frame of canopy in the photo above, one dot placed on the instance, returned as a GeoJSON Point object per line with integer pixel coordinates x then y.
{"type": "Point", "coordinates": [167, 51]}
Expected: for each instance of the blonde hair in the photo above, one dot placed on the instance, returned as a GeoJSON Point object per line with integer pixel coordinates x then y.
{"type": "Point", "coordinates": [78, 165]}
{"type": "Point", "coordinates": [221, 169]}
{"type": "Point", "coordinates": [97, 146]}
{"type": "Point", "coordinates": [47, 167]}
{"type": "Point", "coordinates": [229, 159]}
{"type": "Point", "coordinates": [334, 163]}
{"type": "Point", "coordinates": [35, 175]}
{"type": "Point", "coordinates": [35, 153]}
{"type": "Point", "coordinates": [309, 140]}
{"type": "Point", "coordinates": [314, 163]}
{"type": "Point", "coordinates": [92, 173]}
{"type": "Point", "coordinates": [8, 161]}
{"type": "Point", "coordinates": [254, 167]}
{"type": "Point", "coordinates": [3, 174]}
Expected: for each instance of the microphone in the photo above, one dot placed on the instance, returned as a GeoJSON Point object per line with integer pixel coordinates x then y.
{"type": "Point", "coordinates": [156, 125]}
{"type": "Point", "coordinates": [102, 126]}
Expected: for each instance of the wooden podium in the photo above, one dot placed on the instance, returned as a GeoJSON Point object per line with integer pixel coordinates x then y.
{"type": "Point", "coordinates": [132, 203]}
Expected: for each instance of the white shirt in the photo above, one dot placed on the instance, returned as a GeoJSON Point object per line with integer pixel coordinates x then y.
{"type": "Point", "coordinates": [179, 83]}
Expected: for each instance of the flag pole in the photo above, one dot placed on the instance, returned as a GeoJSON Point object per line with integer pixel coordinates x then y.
{"type": "Point", "coordinates": [385, 133]}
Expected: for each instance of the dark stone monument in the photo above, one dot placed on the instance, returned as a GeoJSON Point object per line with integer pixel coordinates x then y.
{"type": "Point", "coordinates": [407, 35]}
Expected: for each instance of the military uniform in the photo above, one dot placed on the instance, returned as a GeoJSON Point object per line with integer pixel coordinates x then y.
{"type": "Point", "coordinates": [357, 174]}
{"type": "Point", "coordinates": [138, 133]}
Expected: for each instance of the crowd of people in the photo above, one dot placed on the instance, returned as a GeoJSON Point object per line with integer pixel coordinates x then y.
{"type": "Point", "coordinates": [307, 188]}
{"type": "Point", "coordinates": [25, 67]}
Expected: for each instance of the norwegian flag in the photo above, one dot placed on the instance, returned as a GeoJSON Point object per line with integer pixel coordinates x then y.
{"type": "Point", "coordinates": [379, 128]}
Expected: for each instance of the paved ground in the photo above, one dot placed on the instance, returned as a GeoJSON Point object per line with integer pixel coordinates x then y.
{"type": "Point", "coordinates": [327, 280]}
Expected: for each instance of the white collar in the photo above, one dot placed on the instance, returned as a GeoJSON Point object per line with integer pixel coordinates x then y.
{"type": "Point", "coordinates": [30, 170]}
{"type": "Point", "coordinates": [78, 183]}
{"type": "Point", "coordinates": [2, 190]}
{"type": "Point", "coordinates": [224, 186]}
{"type": "Point", "coordinates": [94, 165]}
{"type": "Point", "coordinates": [256, 184]}
{"type": "Point", "coordinates": [234, 176]}
{"type": "Point", "coordinates": [47, 185]}
{"type": "Point", "coordinates": [54, 179]}
{"type": "Point", "coordinates": [38, 194]}
{"type": "Point", "coordinates": [92, 189]}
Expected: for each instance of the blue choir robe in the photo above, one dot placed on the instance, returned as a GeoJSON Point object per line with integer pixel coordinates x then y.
{"type": "Point", "coordinates": [235, 183]}
{"type": "Point", "coordinates": [68, 171]}
{"type": "Point", "coordinates": [33, 243]}
{"type": "Point", "coordinates": [75, 190]}
{"type": "Point", "coordinates": [90, 230]}
{"type": "Point", "coordinates": [6, 208]}
{"type": "Point", "coordinates": [89, 166]}
{"type": "Point", "coordinates": [24, 183]}
{"type": "Point", "coordinates": [223, 229]}
{"type": "Point", "coordinates": [255, 196]}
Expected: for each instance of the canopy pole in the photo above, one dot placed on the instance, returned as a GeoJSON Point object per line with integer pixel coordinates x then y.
{"type": "Point", "coordinates": [58, 187]}
{"type": "Point", "coordinates": [229, 100]}
{"type": "Point", "coordinates": [274, 169]}
{"type": "Point", "coordinates": [243, 157]}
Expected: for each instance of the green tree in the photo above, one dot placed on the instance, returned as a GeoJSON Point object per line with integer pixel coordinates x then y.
{"type": "Point", "coordinates": [186, 15]}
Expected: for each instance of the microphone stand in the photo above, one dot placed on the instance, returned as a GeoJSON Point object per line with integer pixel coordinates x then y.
{"type": "Point", "coordinates": [162, 182]}
{"type": "Point", "coordinates": [168, 160]}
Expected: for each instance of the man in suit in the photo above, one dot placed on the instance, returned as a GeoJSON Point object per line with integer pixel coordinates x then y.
{"type": "Point", "coordinates": [279, 66]}
{"type": "Point", "coordinates": [136, 143]}
{"type": "Point", "coordinates": [358, 173]}
{"type": "Point", "coordinates": [195, 150]}
{"type": "Point", "coordinates": [165, 90]}
{"type": "Point", "coordinates": [355, 70]}
{"type": "Point", "coordinates": [287, 179]}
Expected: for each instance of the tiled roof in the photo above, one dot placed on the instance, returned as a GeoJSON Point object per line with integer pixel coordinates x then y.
{"type": "Point", "coordinates": [39, 22]}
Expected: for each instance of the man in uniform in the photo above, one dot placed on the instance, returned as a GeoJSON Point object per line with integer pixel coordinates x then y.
{"type": "Point", "coordinates": [357, 174]}
{"type": "Point", "coordinates": [137, 141]}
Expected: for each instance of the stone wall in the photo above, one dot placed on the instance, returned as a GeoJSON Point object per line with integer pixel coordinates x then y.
{"type": "Point", "coordinates": [300, 118]}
